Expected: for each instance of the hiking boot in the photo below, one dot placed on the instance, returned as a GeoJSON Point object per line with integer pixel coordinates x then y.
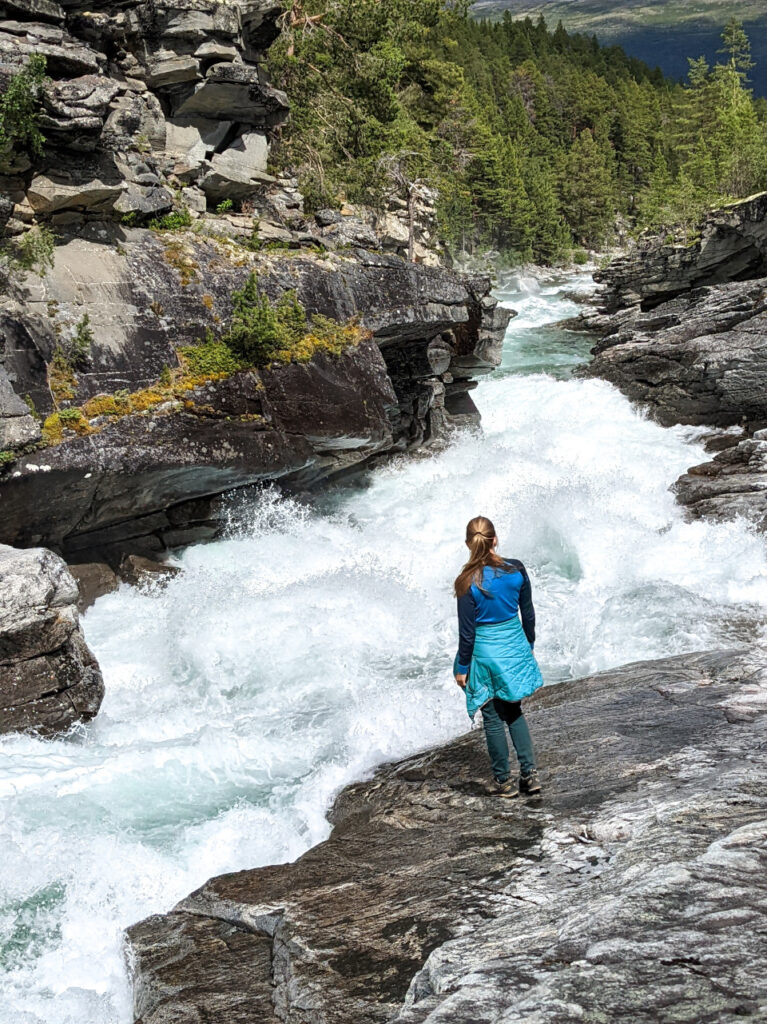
{"type": "Point", "coordinates": [507, 789]}
{"type": "Point", "coordinates": [529, 784]}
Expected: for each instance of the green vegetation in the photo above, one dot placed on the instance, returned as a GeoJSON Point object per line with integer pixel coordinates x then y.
{"type": "Point", "coordinates": [174, 221]}
{"type": "Point", "coordinates": [261, 332]}
{"type": "Point", "coordinates": [33, 251]}
{"type": "Point", "coordinates": [209, 359]}
{"type": "Point", "coordinates": [536, 140]}
{"type": "Point", "coordinates": [80, 344]}
{"type": "Point", "coordinates": [225, 206]}
{"type": "Point", "coordinates": [20, 108]}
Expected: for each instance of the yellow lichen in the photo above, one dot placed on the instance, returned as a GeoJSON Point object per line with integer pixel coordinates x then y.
{"type": "Point", "coordinates": [178, 256]}
{"type": "Point", "coordinates": [67, 420]}
{"type": "Point", "coordinates": [61, 379]}
{"type": "Point", "coordinates": [322, 338]}
{"type": "Point", "coordinates": [207, 301]}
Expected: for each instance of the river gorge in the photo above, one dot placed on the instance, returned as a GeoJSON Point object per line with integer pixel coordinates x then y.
{"type": "Point", "coordinates": [315, 640]}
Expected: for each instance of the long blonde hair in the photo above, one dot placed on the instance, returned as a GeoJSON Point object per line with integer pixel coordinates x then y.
{"type": "Point", "coordinates": [480, 534]}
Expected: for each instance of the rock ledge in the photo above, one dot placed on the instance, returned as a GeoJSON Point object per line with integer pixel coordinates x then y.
{"type": "Point", "coordinates": [634, 890]}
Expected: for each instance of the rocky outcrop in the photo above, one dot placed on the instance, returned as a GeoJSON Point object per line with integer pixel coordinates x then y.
{"type": "Point", "coordinates": [165, 106]}
{"type": "Point", "coordinates": [135, 98]}
{"type": "Point", "coordinates": [733, 483]}
{"type": "Point", "coordinates": [731, 245]}
{"type": "Point", "coordinates": [700, 358]}
{"type": "Point", "coordinates": [683, 332]}
{"type": "Point", "coordinates": [143, 482]}
{"type": "Point", "coordinates": [48, 677]}
{"type": "Point", "coordinates": [635, 888]}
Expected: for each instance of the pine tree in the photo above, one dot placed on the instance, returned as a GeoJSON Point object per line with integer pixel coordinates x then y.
{"type": "Point", "coordinates": [737, 48]}
{"type": "Point", "coordinates": [586, 188]}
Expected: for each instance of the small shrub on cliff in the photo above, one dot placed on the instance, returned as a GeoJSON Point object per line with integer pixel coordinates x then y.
{"type": "Point", "coordinates": [174, 221]}
{"type": "Point", "coordinates": [259, 329]}
{"type": "Point", "coordinates": [61, 378]}
{"type": "Point", "coordinates": [20, 108]}
{"type": "Point", "coordinates": [34, 251]}
{"type": "Point", "coordinates": [80, 343]}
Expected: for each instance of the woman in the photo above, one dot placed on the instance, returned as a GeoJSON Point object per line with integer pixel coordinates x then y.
{"type": "Point", "coordinates": [495, 663]}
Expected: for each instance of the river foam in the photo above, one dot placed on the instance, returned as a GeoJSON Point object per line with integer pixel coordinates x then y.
{"type": "Point", "coordinates": [314, 643]}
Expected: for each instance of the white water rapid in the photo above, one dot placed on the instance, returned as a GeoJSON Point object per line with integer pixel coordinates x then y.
{"type": "Point", "coordinates": [313, 644]}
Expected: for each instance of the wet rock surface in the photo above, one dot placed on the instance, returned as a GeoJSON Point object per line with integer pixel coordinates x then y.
{"type": "Point", "coordinates": [634, 889]}
{"type": "Point", "coordinates": [733, 483]}
{"type": "Point", "coordinates": [48, 677]}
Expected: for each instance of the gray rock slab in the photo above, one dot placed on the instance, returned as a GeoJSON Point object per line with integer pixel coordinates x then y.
{"type": "Point", "coordinates": [634, 889]}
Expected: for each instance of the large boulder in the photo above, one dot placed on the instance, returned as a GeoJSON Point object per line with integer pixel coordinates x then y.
{"type": "Point", "coordinates": [236, 171]}
{"type": "Point", "coordinates": [48, 194]}
{"type": "Point", "coordinates": [48, 677]}
{"type": "Point", "coordinates": [635, 889]}
{"type": "Point", "coordinates": [732, 484]}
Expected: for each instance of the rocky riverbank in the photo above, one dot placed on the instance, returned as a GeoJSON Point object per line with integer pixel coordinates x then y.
{"type": "Point", "coordinates": [124, 415]}
{"type": "Point", "coordinates": [636, 885]}
{"type": "Point", "coordinates": [114, 439]}
{"type": "Point", "coordinates": [682, 331]}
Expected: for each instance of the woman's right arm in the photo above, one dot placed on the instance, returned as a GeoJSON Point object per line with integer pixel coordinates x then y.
{"type": "Point", "coordinates": [467, 628]}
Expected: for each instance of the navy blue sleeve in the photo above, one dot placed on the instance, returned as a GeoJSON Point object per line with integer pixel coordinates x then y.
{"type": "Point", "coordinates": [467, 628]}
{"type": "Point", "coordinates": [526, 609]}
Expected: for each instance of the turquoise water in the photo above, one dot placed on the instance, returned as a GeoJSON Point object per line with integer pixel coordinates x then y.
{"type": "Point", "coordinates": [314, 643]}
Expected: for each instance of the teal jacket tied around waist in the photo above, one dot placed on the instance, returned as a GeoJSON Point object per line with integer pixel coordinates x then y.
{"type": "Point", "coordinates": [496, 649]}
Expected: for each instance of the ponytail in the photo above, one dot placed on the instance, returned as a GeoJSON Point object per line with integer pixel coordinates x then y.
{"type": "Point", "coordinates": [480, 534]}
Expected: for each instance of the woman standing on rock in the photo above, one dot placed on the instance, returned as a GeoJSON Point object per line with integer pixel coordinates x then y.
{"type": "Point", "coordinates": [495, 663]}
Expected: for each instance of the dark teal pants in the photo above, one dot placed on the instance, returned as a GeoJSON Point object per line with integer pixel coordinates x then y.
{"type": "Point", "coordinates": [498, 716]}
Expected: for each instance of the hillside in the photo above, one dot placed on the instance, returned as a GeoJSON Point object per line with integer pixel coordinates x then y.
{"type": "Point", "coordinates": [658, 32]}
{"type": "Point", "coordinates": [533, 140]}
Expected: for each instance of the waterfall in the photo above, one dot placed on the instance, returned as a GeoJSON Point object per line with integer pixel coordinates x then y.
{"type": "Point", "coordinates": [316, 641]}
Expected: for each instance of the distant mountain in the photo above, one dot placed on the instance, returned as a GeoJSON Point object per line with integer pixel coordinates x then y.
{"type": "Point", "coordinates": [661, 32]}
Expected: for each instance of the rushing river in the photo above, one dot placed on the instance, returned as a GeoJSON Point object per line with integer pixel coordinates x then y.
{"type": "Point", "coordinates": [315, 643]}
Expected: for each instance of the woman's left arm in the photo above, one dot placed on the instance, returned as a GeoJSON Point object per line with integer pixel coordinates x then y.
{"type": "Point", "coordinates": [467, 628]}
{"type": "Point", "coordinates": [526, 608]}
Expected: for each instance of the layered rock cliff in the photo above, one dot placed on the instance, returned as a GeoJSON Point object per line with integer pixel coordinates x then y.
{"type": "Point", "coordinates": [48, 677]}
{"type": "Point", "coordinates": [633, 889]}
{"type": "Point", "coordinates": [683, 332]}
{"type": "Point", "coordinates": [111, 481]}
{"type": "Point", "coordinates": [143, 99]}
{"type": "Point", "coordinates": [161, 115]}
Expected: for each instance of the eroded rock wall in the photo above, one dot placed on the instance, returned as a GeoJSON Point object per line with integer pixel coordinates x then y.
{"type": "Point", "coordinates": [730, 245]}
{"type": "Point", "coordinates": [143, 99]}
{"type": "Point", "coordinates": [683, 332]}
{"type": "Point", "coordinates": [143, 481]}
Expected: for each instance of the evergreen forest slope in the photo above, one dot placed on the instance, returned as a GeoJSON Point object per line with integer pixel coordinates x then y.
{"type": "Point", "coordinates": [662, 32]}
{"type": "Point", "coordinates": [536, 140]}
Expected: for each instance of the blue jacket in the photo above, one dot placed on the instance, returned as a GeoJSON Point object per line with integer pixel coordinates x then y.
{"type": "Point", "coordinates": [504, 594]}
